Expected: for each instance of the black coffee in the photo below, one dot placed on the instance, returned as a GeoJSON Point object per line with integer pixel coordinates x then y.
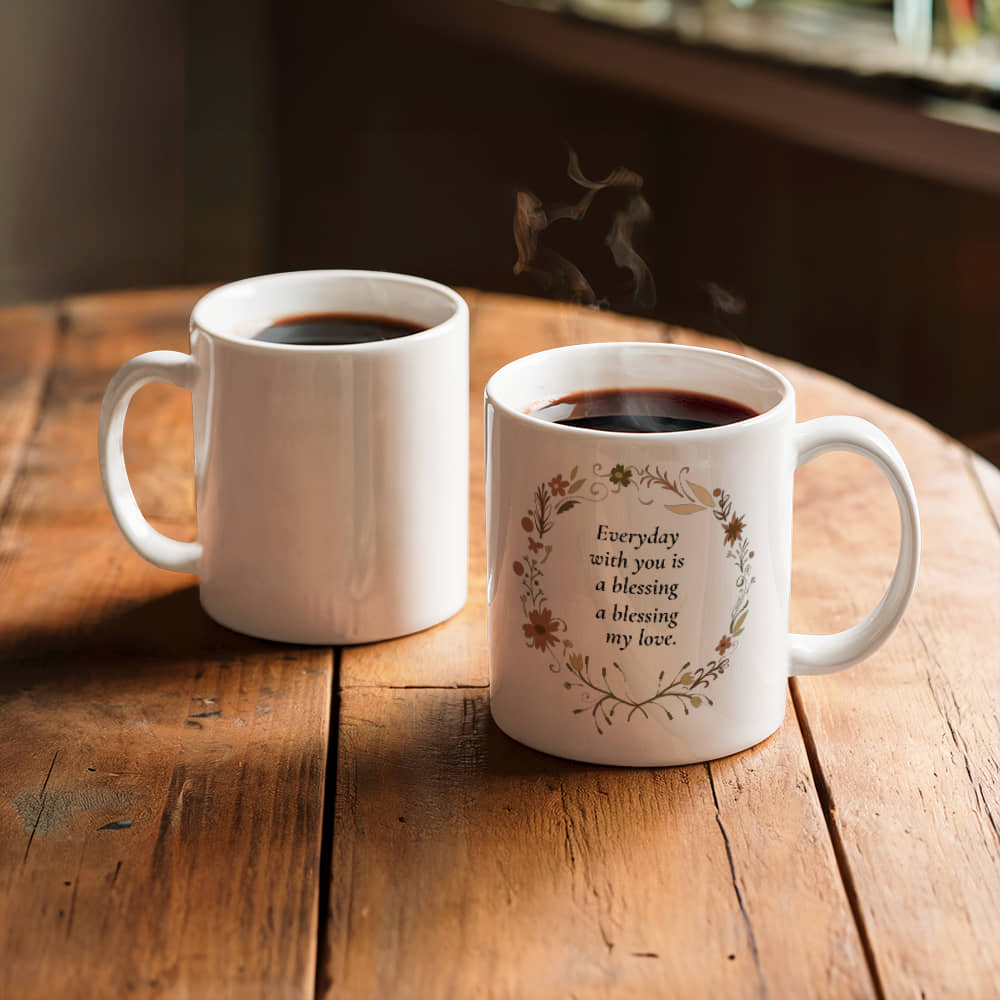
{"type": "Point", "coordinates": [319, 329]}
{"type": "Point", "coordinates": [643, 411]}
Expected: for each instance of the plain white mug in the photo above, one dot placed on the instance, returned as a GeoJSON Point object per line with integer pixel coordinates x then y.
{"type": "Point", "coordinates": [331, 481]}
{"type": "Point", "coordinates": [638, 583]}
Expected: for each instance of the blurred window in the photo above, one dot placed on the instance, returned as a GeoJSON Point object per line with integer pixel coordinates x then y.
{"type": "Point", "coordinates": [947, 45]}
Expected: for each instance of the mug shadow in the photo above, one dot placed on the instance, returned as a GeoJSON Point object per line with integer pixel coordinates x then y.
{"type": "Point", "coordinates": [436, 752]}
{"type": "Point", "coordinates": [437, 792]}
{"type": "Point", "coordinates": [132, 639]}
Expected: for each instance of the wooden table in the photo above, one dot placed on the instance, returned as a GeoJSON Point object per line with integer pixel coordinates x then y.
{"type": "Point", "coordinates": [188, 812]}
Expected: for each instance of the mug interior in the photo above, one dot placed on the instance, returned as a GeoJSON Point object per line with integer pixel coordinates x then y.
{"type": "Point", "coordinates": [242, 309]}
{"type": "Point", "coordinates": [539, 380]}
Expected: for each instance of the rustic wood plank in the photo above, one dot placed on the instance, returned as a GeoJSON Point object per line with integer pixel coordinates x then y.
{"type": "Point", "coordinates": [109, 664]}
{"type": "Point", "coordinates": [467, 865]}
{"type": "Point", "coordinates": [503, 327]}
{"type": "Point", "coordinates": [906, 744]}
{"type": "Point", "coordinates": [28, 336]}
{"type": "Point", "coordinates": [161, 778]}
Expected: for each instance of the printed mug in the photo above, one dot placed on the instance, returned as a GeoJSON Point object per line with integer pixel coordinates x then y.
{"type": "Point", "coordinates": [331, 481]}
{"type": "Point", "coordinates": [638, 583]}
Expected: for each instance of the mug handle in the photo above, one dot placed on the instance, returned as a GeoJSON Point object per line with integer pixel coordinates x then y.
{"type": "Point", "coordinates": [173, 368]}
{"type": "Point", "coordinates": [823, 654]}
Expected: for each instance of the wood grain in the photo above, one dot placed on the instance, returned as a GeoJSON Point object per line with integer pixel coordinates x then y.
{"type": "Point", "coordinates": [161, 778]}
{"type": "Point", "coordinates": [466, 865]}
{"type": "Point", "coordinates": [906, 743]}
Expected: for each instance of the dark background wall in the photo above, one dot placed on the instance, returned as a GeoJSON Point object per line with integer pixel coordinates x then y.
{"type": "Point", "coordinates": [204, 143]}
{"type": "Point", "coordinates": [91, 145]}
{"type": "Point", "coordinates": [404, 151]}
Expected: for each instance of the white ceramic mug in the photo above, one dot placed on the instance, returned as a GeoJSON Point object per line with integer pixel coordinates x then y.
{"type": "Point", "coordinates": [638, 584]}
{"type": "Point", "coordinates": [331, 481]}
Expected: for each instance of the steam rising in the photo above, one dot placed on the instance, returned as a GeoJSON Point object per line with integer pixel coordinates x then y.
{"type": "Point", "coordinates": [723, 300]}
{"type": "Point", "coordinates": [554, 271]}
{"type": "Point", "coordinates": [728, 309]}
{"type": "Point", "coordinates": [636, 213]}
{"type": "Point", "coordinates": [560, 276]}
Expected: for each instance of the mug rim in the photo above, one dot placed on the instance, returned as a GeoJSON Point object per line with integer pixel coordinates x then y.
{"type": "Point", "coordinates": [209, 299]}
{"type": "Point", "coordinates": [772, 413]}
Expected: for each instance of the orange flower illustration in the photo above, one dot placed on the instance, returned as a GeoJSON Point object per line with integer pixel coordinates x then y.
{"type": "Point", "coordinates": [535, 546]}
{"type": "Point", "coordinates": [558, 486]}
{"type": "Point", "coordinates": [724, 643]}
{"type": "Point", "coordinates": [541, 630]}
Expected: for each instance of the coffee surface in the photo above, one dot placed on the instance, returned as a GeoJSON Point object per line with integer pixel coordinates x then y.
{"type": "Point", "coordinates": [643, 410]}
{"type": "Point", "coordinates": [321, 329]}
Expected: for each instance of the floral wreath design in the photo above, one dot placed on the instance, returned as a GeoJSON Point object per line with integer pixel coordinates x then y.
{"type": "Point", "coordinates": [545, 632]}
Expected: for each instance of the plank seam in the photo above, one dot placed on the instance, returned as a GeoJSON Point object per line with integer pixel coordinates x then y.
{"type": "Point", "coordinates": [736, 887]}
{"type": "Point", "coordinates": [322, 981]}
{"type": "Point", "coordinates": [829, 811]}
{"type": "Point", "coordinates": [63, 324]}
